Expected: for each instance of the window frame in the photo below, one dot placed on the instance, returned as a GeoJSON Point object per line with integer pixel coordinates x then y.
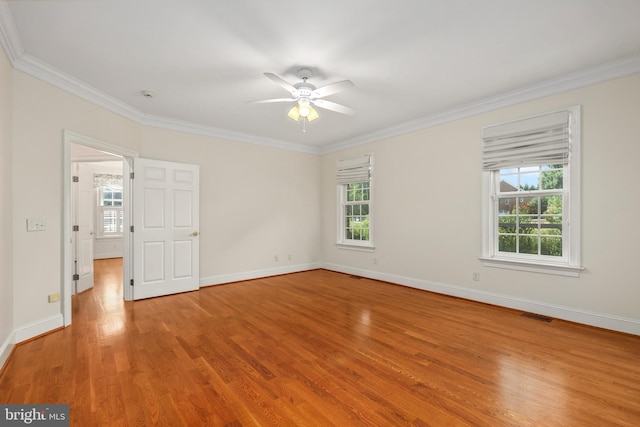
{"type": "Point", "coordinates": [342, 239]}
{"type": "Point", "coordinates": [353, 170]}
{"type": "Point", "coordinates": [570, 262]}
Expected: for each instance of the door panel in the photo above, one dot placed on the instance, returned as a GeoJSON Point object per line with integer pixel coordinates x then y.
{"type": "Point", "coordinates": [84, 235]}
{"type": "Point", "coordinates": [165, 237]}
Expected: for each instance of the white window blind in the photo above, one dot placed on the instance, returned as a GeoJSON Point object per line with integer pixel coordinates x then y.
{"type": "Point", "coordinates": [540, 140]}
{"type": "Point", "coordinates": [353, 169]}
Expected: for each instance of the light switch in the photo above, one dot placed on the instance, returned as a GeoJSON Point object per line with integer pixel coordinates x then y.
{"type": "Point", "coordinates": [35, 224]}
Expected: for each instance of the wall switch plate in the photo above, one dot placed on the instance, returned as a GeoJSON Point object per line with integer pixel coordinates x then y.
{"type": "Point", "coordinates": [54, 297]}
{"type": "Point", "coordinates": [36, 224]}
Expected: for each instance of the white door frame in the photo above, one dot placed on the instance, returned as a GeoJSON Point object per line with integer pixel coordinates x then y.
{"type": "Point", "coordinates": [70, 138]}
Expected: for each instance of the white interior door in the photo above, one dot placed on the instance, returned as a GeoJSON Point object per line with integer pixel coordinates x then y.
{"type": "Point", "coordinates": [85, 233]}
{"type": "Point", "coordinates": [165, 221]}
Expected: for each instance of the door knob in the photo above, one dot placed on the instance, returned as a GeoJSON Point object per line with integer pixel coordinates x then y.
{"type": "Point", "coordinates": [194, 234]}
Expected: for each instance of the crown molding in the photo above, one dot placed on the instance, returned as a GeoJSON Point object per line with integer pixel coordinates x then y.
{"type": "Point", "coordinates": [586, 77]}
{"type": "Point", "coordinates": [193, 128]}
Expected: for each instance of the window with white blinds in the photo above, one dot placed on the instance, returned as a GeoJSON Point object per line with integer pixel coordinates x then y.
{"type": "Point", "coordinates": [353, 169]}
{"type": "Point", "coordinates": [531, 193]}
{"type": "Point", "coordinates": [353, 178]}
{"type": "Point", "coordinates": [540, 140]}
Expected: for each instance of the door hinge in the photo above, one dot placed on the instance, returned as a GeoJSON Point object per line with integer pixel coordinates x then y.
{"type": "Point", "coordinates": [75, 179]}
{"type": "Point", "coordinates": [76, 228]}
{"type": "Point", "coordinates": [131, 282]}
{"type": "Point", "coordinates": [131, 228]}
{"type": "Point", "coordinates": [76, 277]}
{"type": "Point", "coordinates": [131, 175]}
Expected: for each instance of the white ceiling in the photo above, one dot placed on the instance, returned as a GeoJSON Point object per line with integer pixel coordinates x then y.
{"type": "Point", "coordinates": [413, 62]}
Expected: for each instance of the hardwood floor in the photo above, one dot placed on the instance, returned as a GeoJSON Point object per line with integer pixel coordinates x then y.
{"type": "Point", "coordinates": [322, 348]}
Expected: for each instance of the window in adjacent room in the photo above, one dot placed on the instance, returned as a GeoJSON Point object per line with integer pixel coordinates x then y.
{"type": "Point", "coordinates": [110, 216]}
{"type": "Point", "coordinates": [531, 194]}
{"type": "Point", "coordinates": [353, 177]}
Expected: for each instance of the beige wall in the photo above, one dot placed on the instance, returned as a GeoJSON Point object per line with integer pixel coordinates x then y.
{"type": "Point", "coordinates": [427, 201]}
{"type": "Point", "coordinates": [258, 202]}
{"type": "Point", "coordinates": [6, 241]}
{"type": "Point", "coordinates": [41, 113]}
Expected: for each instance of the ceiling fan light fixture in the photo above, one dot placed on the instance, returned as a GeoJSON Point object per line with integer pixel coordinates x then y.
{"type": "Point", "coordinates": [294, 113]}
{"type": "Point", "coordinates": [313, 114]}
{"type": "Point", "coordinates": [305, 111]}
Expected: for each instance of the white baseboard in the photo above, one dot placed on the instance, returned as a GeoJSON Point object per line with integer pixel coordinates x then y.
{"type": "Point", "coordinates": [256, 274]}
{"type": "Point", "coordinates": [108, 255]}
{"type": "Point", "coordinates": [38, 328]}
{"type": "Point", "coordinates": [5, 349]}
{"type": "Point", "coordinates": [600, 320]}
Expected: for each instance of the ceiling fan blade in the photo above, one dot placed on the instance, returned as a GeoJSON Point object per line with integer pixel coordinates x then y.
{"type": "Point", "coordinates": [328, 105]}
{"type": "Point", "coordinates": [332, 88]}
{"type": "Point", "coordinates": [266, 101]}
{"type": "Point", "coordinates": [281, 82]}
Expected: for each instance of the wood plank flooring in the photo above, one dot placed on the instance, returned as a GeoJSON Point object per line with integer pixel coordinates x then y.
{"type": "Point", "coordinates": [318, 349]}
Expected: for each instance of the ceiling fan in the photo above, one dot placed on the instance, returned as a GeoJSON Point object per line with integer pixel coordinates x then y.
{"type": "Point", "coordinates": [306, 96]}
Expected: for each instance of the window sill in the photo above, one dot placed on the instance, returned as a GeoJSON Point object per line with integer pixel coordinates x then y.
{"type": "Point", "coordinates": [535, 267]}
{"type": "Point", "coordinates": [355, 247]}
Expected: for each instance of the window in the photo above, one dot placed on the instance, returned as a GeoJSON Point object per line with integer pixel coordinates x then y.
{"type": "Point", "coordinates": [353, 176]}
{"type": "Point", "coordinates": [531, 172]}
{"type": "Point", "coordinates": [110, 215]}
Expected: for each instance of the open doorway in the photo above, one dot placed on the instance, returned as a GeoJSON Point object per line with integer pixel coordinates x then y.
{"type": "Point", "coordinates": [89, 157]}
{"type": "Point", "coordinates": [166, 222]}
{"type": "Point", "coordinates": [97, 212]}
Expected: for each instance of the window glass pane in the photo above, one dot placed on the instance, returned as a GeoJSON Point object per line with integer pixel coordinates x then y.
{"type": "Point", "coordinates": [365, 209]}
{"type": "Point", "coordinates": [552, 177]}
{"type": "Point", "coordinates": [506, 224]}
{"type": "Point", "coordinates": [508, 183]}
{"type": "Point", "coordinates": [551, 205]}
{"type": "Point", "coordinates": [528, 205]}
{"type": "Point", "coordinates": [348, 210]}
{"type": "Point", "coordinates": [506, 205]}
{"type": "Point", "coordinates": [507, 244]}
{"type": "Point", "coordinates": [551, 246]}
{"type": "Point", "coordinates": [529, 181]}
{"type": "Point", "coordinates": [527, 224]}
{"type": "Point", "coordinates": [356, 209]}
{"type": "Point", "coordinates": [528, 244]}
{"type": "Point", "coordinates": [550, 229]}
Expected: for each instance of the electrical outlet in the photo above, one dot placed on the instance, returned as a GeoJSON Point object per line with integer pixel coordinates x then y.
{"type": "Point", "coordinates": [290, 257]}
{"type": "Point", "coordinates": [375, 261]}
{"type": "Point", "coordinates": [36, 224]}
{"type": "Point", "coordinates": [476, 277]}
{"type": "Point", "coordinates": [275, 258]}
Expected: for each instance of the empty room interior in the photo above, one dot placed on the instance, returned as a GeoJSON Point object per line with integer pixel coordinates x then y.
{"type": "Point", "coordinates": [361, 213]}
